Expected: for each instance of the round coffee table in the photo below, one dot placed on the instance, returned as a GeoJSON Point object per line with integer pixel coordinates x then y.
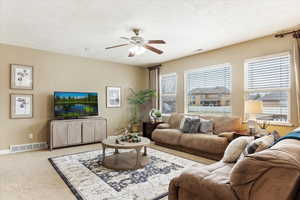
{"type": "Point", "coordinates": [128, 160]}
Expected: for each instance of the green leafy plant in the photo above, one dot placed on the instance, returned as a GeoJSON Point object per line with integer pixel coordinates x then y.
{"type": "Point", "coordinates": [158, 114]}
{"type": "Point", "coordinates": [137, 99]}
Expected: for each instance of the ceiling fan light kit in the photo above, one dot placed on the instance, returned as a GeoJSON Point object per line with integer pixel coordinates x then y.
{"type": "Point", "coordinates": [139, 44]}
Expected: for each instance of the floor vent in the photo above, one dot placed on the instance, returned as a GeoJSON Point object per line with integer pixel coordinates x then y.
{"type": "Point", "coordinates": [28, 147]}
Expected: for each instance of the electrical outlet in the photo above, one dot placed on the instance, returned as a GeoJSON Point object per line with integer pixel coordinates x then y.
{"type": "Point", "coordinates": [30, 136]}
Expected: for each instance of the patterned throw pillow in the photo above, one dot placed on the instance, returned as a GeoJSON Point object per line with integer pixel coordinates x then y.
{"type": "Point", "coordinates": [265, 142]}
{"type": "Point", "coordinates": [206, 126]}
{"type": "Point", "coordinates": [195, 124]}
{"type": "Point", "coordinates": [258, 145]}
{"type": "Point", "coordinates": [186, 125]}
{"type": "Point", "coordinates": [191, 125]}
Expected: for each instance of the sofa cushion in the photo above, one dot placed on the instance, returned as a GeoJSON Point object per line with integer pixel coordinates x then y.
{"type": "Point", "coordinates": [224, 123]}
{"type": "Point", "coordinates": [204, 142]}
{"type": "Point", "coordinates": [175, 119]}
{"type": "Point", "coordinates": [218, 165]}
{"type": "Point", "coordinates": [167, 136]}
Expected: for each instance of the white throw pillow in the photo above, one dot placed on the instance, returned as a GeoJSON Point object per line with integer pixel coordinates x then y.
{"type": "Point", "coordinates": [235, 148]}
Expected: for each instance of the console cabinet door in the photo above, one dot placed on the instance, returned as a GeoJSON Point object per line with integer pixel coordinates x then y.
{"type": "Point", "coordinates": [88, 132]}
{"type": "Point", "coordinates": [60, 134]}
{"type": "Point", "coordinates": [100, 130]}
{"type": "Point", "coordinates": [74, 132]}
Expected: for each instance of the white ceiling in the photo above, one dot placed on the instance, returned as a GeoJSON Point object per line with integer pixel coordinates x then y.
{"type": "Point", "coordinates": [70, 26]}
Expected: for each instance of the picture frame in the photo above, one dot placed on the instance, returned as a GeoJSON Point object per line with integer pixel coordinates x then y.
{"type": "Point", "coordinates": [21, 106]}
{"type": "Point", "coordinates": [113, 97]}
{"type": "Point", "coordinates": [21, 77]}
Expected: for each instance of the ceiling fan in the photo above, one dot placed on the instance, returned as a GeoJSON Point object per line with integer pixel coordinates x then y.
{"type": "Point", "coordinates": [139, 44]}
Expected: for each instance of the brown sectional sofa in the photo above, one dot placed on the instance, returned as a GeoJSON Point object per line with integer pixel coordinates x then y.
{"type": "Point", "coordinates": [270, 174]}
{"type": "Point", "coordinates": [207, 145]}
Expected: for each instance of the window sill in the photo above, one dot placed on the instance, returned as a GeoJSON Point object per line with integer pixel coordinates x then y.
{"type": "Point", "coordinates": [287, 124]}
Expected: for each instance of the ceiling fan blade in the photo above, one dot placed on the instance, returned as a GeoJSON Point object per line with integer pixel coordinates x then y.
{"type": "Point", "coordinates": [125, 38]}
{"type": "Point", "coordinates": [153, 49]}
{"type": "Point", "coordinates": [131, 54]}
{"type": "Point", "coordinates": [156, 42]}
{"type": "Point", "coordinates": [116, 46]}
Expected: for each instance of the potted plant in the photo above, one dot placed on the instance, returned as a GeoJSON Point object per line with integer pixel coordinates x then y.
{"type": "Point", "coordinates": [155, 115]}
{"type": "Point", "coordinates": [137, 99]}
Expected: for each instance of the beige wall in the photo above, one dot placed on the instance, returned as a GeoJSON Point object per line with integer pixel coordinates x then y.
{"type": "Point", "coordinates": [235, 55]}
{"type": "Point", "coordinates": [56, 72]}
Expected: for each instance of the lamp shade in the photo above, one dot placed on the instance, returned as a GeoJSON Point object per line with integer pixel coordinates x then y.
{"type": "Point", "coordinates": [253, 107]}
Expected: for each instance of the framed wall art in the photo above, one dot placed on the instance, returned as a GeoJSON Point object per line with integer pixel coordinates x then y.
{"type": "Point", "coordinates": [21, 77]}
{"type": "Point", "coordinates": [21, 106]}
{"type": "Point", "coordinates": [113, 97]}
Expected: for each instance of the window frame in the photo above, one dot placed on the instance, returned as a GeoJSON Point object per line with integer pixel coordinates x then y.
{"type": "Point", "coordinates": [199, 69]}
{"type": "Point", "coordinates": [288, 90]}
{"type": "Point", "coordinates": [160, 91]}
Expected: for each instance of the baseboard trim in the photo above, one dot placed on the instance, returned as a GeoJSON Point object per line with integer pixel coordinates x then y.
{"type": "Point", "coordinates": [9, 151]}
{"type": "Point", "coordinates": [5, 151]}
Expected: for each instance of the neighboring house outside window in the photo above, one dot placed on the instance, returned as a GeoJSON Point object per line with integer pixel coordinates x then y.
{"type": "Point", "coordinates": [208, 90]}
{"type": "Point", "coordinates": [267, 79]}
{"type": "Point", "coordinates": [168, 90]}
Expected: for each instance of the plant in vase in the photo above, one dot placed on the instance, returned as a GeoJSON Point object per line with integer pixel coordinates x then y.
{"type": "Point", "coordinates": [137, 99]}
{"type": "Point", "coordinates": [155, 115]}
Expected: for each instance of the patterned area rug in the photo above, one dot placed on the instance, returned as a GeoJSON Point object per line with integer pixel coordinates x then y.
{"type": "Point", "coordinates": [89, 180]}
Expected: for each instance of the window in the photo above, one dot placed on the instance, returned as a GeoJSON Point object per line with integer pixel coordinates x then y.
{"type": "Point", "coordinates": [268, 80]}
{"type": "Point", "coordinates": [208, 90]}
{"type": "Point", "coordinates": [168, 87]}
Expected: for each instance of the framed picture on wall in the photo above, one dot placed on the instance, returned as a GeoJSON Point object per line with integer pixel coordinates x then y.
{"type": "Point", "coordinates": [21, 106]}
{"type": "Point", "coordinates": [113, 97]}
{"type": "Point", "coordinates": [21, 77]}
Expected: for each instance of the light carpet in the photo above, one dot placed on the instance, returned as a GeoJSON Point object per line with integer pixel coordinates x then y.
{"type": "Point", "coordinates": [89, 180]}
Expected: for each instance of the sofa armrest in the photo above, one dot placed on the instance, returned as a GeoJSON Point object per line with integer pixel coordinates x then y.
{"type": "Point", "coordinates": [267, 170]}
{"type": "Point", "coordinates": [228, 135]}
{"type": "Point", "coordinates": [197, 183]}
{"type": "Point", "coordinates": [163, 126]}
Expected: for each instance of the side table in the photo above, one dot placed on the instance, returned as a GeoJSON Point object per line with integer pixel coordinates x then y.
{"type": "Point", "coordinates": [148, 128]}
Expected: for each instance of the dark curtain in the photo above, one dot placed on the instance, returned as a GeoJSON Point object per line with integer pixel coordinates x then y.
{"type": "Point", "coordinates": [154, 84]}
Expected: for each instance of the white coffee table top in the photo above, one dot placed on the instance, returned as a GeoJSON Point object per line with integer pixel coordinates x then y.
{"type": "Point", "coordinates": [110, 142]}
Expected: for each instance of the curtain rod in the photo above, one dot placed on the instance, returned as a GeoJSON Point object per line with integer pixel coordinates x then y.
{"type": "Point", "coordinates": [296, 34]}
{"type": "Point", "coordinates": [154, 67]}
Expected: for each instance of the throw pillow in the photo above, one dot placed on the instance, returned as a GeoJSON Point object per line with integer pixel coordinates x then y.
{"type": "Point", "coordinates": [206, 126]}
{"type": "Point", "coordinates": [265, 142]}
{"type": "Point", "coordinates": [182, 123]}
{"type": "Point", "coordinates": [195, 124]}
{"type": "Point", "coordinates": [258, 145]}
{"type": "Point", "coordinates": [186, 125]}
{"type": "Point", "coordinates": [250, 149]}
{"type": "Point", "coordinates": [235, 148]}
{"type": "Point", "coordinates": [275, 134]}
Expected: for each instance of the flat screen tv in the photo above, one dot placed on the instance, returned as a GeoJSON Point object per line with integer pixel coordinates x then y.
{"type": "Point", "coordinates": [75, 104]}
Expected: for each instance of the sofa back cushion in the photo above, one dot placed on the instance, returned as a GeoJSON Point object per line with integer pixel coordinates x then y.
{"type": "Point", "coordinates": [175, 120]}
{"type": "Point", "coordinates": [224, 123]}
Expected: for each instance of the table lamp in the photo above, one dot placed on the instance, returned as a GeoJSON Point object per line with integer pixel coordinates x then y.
{"type": "Point", "coordinates": [252, 108]}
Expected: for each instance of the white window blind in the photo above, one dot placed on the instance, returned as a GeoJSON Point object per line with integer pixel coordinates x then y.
{"type": "Point", "coordinates": [209, 90]}
{"type": "Point", "coordinates": [268, 80]}
{"type": "Point", "coordinates": [168, 86]}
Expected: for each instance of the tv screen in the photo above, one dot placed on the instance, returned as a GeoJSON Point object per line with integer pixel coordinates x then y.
{"type": "Point", "coordinates": [75, 104]}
